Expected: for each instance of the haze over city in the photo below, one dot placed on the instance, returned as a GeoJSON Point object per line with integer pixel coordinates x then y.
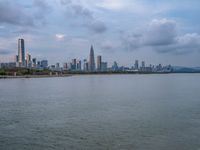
{"type": "Point", "coordinates": [120, 30]}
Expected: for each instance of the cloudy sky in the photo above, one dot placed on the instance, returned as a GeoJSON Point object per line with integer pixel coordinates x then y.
{"type": "Point", "coordinates": [157, 31]}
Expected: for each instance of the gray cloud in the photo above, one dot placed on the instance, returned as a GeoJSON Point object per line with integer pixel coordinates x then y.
{"type": "Point", "coordinates": [97, 27]}
{"type": "Point", "coordinates": [80, 11]}
{"type": "Point", "coordinates": [65, 2]}
{"type": "Point", "coordinates": [42, 9]}
{"type": "Point", "coordinates": [131, 41]}
{"type": "Point", "coordinates": [108, 48]}
{"type": "Point", "coordinates": [161, 36]}
{"type": "Point", "coordinates": [5, 52]}
{"type": "Point", "coordinates": [84, 16]}
{"type": "Point", "coordinates": [76, 10]}
{"type": "Point", "coordinates": [12, 14]}
{"type": "Point", "coordinates": [183, 44]}
{"type": "Point", "coordinates": [22, 31]}
{"type": "Point", "coordinates": [160, 32]}
{"type": "Point", "coordinates": [110, 45]}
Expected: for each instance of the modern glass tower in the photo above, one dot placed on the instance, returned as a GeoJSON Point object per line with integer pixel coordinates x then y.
{"type": "Point", "coordinates": [136, 64]}
{"type": "Point", "coordinates": [99, 61]}
{"type": "Point", "coordinates": [21, 52]}
{"type": "Point", "coordinates": [91, 60]}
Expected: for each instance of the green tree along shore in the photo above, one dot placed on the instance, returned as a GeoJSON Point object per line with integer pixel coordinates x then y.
{"type": "Point", "coordinates": [22, 71]}
{"type": "Point", "coordinates": [46, 72]}
{"type": "Point", "coordinates": [28, 73]}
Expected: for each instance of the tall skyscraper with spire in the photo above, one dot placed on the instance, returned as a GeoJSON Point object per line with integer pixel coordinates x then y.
{"type": "Point", "coordinates": [91, 60]}
{"type": "Point", "coordinates": [21, 52]}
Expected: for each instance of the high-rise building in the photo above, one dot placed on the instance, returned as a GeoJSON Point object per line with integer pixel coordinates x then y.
{"type": "Point", "coordinates": [99, 61]}
{"type": "Point", "coordinates": [91, 60]}
{"type": "Point", "coordinates": [104, 66]}
{"type": "Point", "coordinates": [57, 65]}
{"type": "Point", "coordinates": [159, 67]}
{"type": "Point", "coordinates": [28, 57]}
{"type": "Point", "coordinates": [65, 66]}
{"type": "Point", "coordinates": [70, 66]}
{"type": "Point", "coordinates": [16, 58]}
{"type": "Point", "coordinates": [85, 65]}
{"type": "Point", "coordinates": [78, 65]}
{"type": "Point", "coordinates": [34, 60]}
{"type": "Point", "coordinates": [38, 64]}
{"type": "Point", "coordinates": [136, 65]}
{"type": "Point", "coordinates": [115, 66]}
{"type": "Point", "coordinates": [28, 60]}
{"type": "Point", "coordinates": [143, 68]}
{"type": "Point", "coordinates": [21, 52]}
{"type": "Point", "coordinates": [44, 64]}
{"type": "Point", "coordinates": [143, 64]}
{"type": "Point", "coordinates": [73, 67]}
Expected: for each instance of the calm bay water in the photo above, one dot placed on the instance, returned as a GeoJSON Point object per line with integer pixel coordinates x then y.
{"type": "Point", "coordinates": [101, 112]}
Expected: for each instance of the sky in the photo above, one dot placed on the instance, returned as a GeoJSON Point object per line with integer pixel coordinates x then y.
{"type": "Point", "coordinates": [156, 31]}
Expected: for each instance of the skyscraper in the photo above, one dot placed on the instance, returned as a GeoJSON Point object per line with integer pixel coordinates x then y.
{"type": "Point", "coordinates": [143, 64]}
{"type": "Point", "coordinates": [91, 60]}
{"type": "Point", "coordinates": [85, 65]}
{"type": "Point", "coordinates": [21, 52]}
{"type": "Point", "coordinates": [65, 66]}
{"type": "Point", "coordinates": [115, 66]}
{"type": "Point", "coordinates": [34, 60]}
{"type": "Point", "coordinates": [104, 66]}
{"type": "Point", "coordinates": [99, 61]}
{"type": "Point", "coordinates": [28, 60]}
{"type": "Point", "coordinates": [28, 57]}
{"type": "Point", "coordinates": [57, 65]}
{"type": "Point", "coordinates": [78, 65]}
{"type": "Point", "coordinates": [136, 64]}
{"type": "Point", "coordinates": [73, 64]}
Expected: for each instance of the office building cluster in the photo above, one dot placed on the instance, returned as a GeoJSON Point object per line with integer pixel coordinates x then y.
{"type": "Point", "coordinates": [28, 62]}
{"type": "Point", "coordinates": [86, 66]}
{"type": "Point", "coordinates": [24, 60]}
{"type": "Point", "coordinates": [141, 68]}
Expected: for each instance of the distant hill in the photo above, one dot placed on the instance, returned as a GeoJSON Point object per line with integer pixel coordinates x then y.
{"type": "Point", "coordinates": [179, 69]}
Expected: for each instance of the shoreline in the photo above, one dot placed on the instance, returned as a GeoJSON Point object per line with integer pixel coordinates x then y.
{"type": "Point", "coordinates": [33, 76]}
{"type": "Point", "coordinates": [75, 74]}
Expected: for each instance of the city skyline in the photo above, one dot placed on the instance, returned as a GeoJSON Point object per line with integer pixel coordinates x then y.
{"type": "Point", "coordinates": [24, 59]}
{"type": "Point", "coordinates": [120, 30]}
{"type": "Point", "coordinates": [75, 65]}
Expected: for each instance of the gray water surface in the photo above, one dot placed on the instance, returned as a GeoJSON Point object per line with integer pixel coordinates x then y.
{"type": "Point", "coordinates": [101, 112]}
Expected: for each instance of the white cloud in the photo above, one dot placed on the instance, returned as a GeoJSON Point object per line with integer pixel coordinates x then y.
{"type": "Point", "coordinates": [189, 38]}
{"type": "Point", "coordinates": [60, 36]}
{"type": "Point", "coordinates": [161, 36]}
{"type": "Point", "coordinates": [132, 6]}
{"type": "Point", "coordinates": [160, 32]}
{"type": "Point", "coordinates": [112, 4]}
{"type": "Point", "coordinates": [187, 43]}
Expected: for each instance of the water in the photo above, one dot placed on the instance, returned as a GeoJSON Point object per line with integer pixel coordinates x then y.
{"type": "Point", "coordinates": [101, 112]}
